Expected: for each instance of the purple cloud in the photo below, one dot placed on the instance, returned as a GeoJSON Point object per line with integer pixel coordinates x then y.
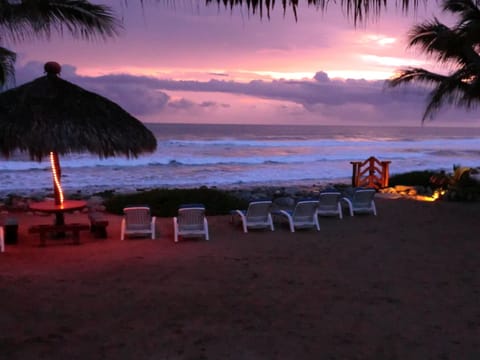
{"type": "Point", "coordinates": [321, 98]}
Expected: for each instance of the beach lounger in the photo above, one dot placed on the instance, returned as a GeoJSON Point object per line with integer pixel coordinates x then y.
{"type": "Point", "coordinates": [190, 222]}
{"type": "Point", "coordinates": [137, 221]}
{"type": "Point", "coordinates": [257, 216]}
{"type": "Point", "coordinates": [96, 215]}
{"type": "Point", "coordinates": [361, 200]}
{"type": "Point", "coordinates": [329, 204]}
{"type": "Point", "coordinates": [303, 216]}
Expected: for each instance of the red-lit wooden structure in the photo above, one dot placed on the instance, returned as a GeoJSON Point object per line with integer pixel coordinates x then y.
{"type": "Point", "coordinates": [371, 173]}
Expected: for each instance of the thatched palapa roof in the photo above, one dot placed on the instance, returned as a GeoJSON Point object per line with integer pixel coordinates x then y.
{"type": "Point", "coordinates": [52, 114]}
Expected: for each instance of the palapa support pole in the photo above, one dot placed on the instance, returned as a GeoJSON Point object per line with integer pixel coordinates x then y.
{"type": "Point", "coordinates": [57, 189]}
{"type": "Point", "coordinates": [57, 174]}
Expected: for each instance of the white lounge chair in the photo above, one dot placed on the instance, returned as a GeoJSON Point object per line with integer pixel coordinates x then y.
{"type": "Point", "coordinates": [329, 204]}
{"type": "Point", "coordinates": [361, 200]}
{"type": "Point", "coordinates": [304, 215]}
{"type": "Point", "coordinates": [137, 221]}
{"type": "Point", "coordinates": [190, 222]}
{"type": "Point", "coordinates": [257, 216]}
{"type": "Point", "coordinates": [2, 240]}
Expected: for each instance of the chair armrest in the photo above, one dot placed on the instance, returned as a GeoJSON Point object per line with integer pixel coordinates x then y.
{"type": "Point", "coordinates": [285, 213]}
{"type": "Point", "coordinates": [240, 213]}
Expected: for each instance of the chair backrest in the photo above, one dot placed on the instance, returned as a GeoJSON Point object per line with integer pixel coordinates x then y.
{"type": "Point", "coordinates": [191, 218]}
{"type": "Point", "coordinates": [137, 217]}
{"type": "Point", "coordinates": [305, 210]}
{"type": "Point", "coordinates": [328, 201]}
{"type": "Point", "coordinates": [258, 211]}
{"type": "Point", "coordinates": [362, 198]}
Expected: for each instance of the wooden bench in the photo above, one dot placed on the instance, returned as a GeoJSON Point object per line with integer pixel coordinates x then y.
{"type": "Point", "coordinates": [45, 230]}
{"type": "Point", "coordinates": [98, 224]}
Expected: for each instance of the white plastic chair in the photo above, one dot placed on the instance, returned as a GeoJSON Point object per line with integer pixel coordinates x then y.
{"type": "Point", "coordinates": [2, 239]}
{"type": "Point", "coordinates": [190, 222]}
{"type": "Point", "coordinates": [257, 216]}
{"type": "Point", "coordinates": [361, 200]}
{"type": "Point", "coordinates": [303, 216]}
{"type": "Point", "coordinates": [137, 221]}
{"type": "Point", "coordinates": [329, 204]}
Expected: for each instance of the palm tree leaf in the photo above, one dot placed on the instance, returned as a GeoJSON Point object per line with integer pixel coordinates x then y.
{"type": "Point", "coordinates": [460, 45]}
{"type": "Point", "coordinates": [37, 18]}
{"type": "Point", "coordinates": [453, 91]}
{"type": "Point", "coordinates": [459, 89]}
{"type": "Point", "coordinates": [7, 66]}
{"type": "Point", "coordinates": [462, 88]}
{"type": "Point", "coordinates": [415, 75]}
{"type": "Point", "coordinates": [466, 9]}
{"type": "Point", "coordinates": [468, 26]}
{"type": "Point", "coordinates": [439, 41]}
{"type": "Point", "coordinates": [359, 10]}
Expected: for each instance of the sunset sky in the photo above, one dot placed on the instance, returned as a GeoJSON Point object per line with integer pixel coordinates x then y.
{"type": "Point", "coordinates": [183, 61]}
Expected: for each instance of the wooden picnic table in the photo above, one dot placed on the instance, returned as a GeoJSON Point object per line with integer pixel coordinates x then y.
{"type": "Point", "coordinates": [58, 229]}
{"type": "Point", "coordinates": [49, 206]}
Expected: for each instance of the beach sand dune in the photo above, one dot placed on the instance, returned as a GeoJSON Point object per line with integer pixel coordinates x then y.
{"type": "Point", "coordinates": [402, 285]}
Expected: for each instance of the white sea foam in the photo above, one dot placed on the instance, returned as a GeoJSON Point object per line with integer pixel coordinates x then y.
{"type": "Point", "coordinates": [228, 155]}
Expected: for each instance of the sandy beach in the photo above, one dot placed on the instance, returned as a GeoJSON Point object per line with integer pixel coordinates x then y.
{"type": "Point", "coordinates": [402, 285]}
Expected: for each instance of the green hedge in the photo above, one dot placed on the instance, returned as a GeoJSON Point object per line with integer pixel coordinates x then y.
{"type": "Point", "coordinates": [165, 202]}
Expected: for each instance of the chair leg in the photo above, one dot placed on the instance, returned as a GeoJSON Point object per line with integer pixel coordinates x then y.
{"type": "Point", "coordinates": [270, 220]}
{"type": "Point", "coordinates": [292, 227]}
{"type": "Point", "coordinates": [244, 224]}
{"type": "Point", "coordinates": [290, 223]}
{"type": "Point", "coordinates": [153, 227]}
{"type": "Point", "coordinates": [349, 204]}
{"type": "Point", "coordinates": [350, 208]}
{"type": "Point", "coordinates": [2, 240]}
{"type": "Point", "coordinates": [205, 225]}
{"type": "Point", "coordinates": [122, 230]}
{"type": "Point", "coordinates": [175, 230]}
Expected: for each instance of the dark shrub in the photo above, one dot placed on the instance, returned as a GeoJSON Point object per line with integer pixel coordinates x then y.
{"type": "Point", "coordinates": [165, 202]}
{"type": "Point", "coordinates": [413, 178]}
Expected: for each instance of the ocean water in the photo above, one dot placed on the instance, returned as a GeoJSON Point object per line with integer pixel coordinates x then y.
{"type": "Point", "coordinates": [242, 155]}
